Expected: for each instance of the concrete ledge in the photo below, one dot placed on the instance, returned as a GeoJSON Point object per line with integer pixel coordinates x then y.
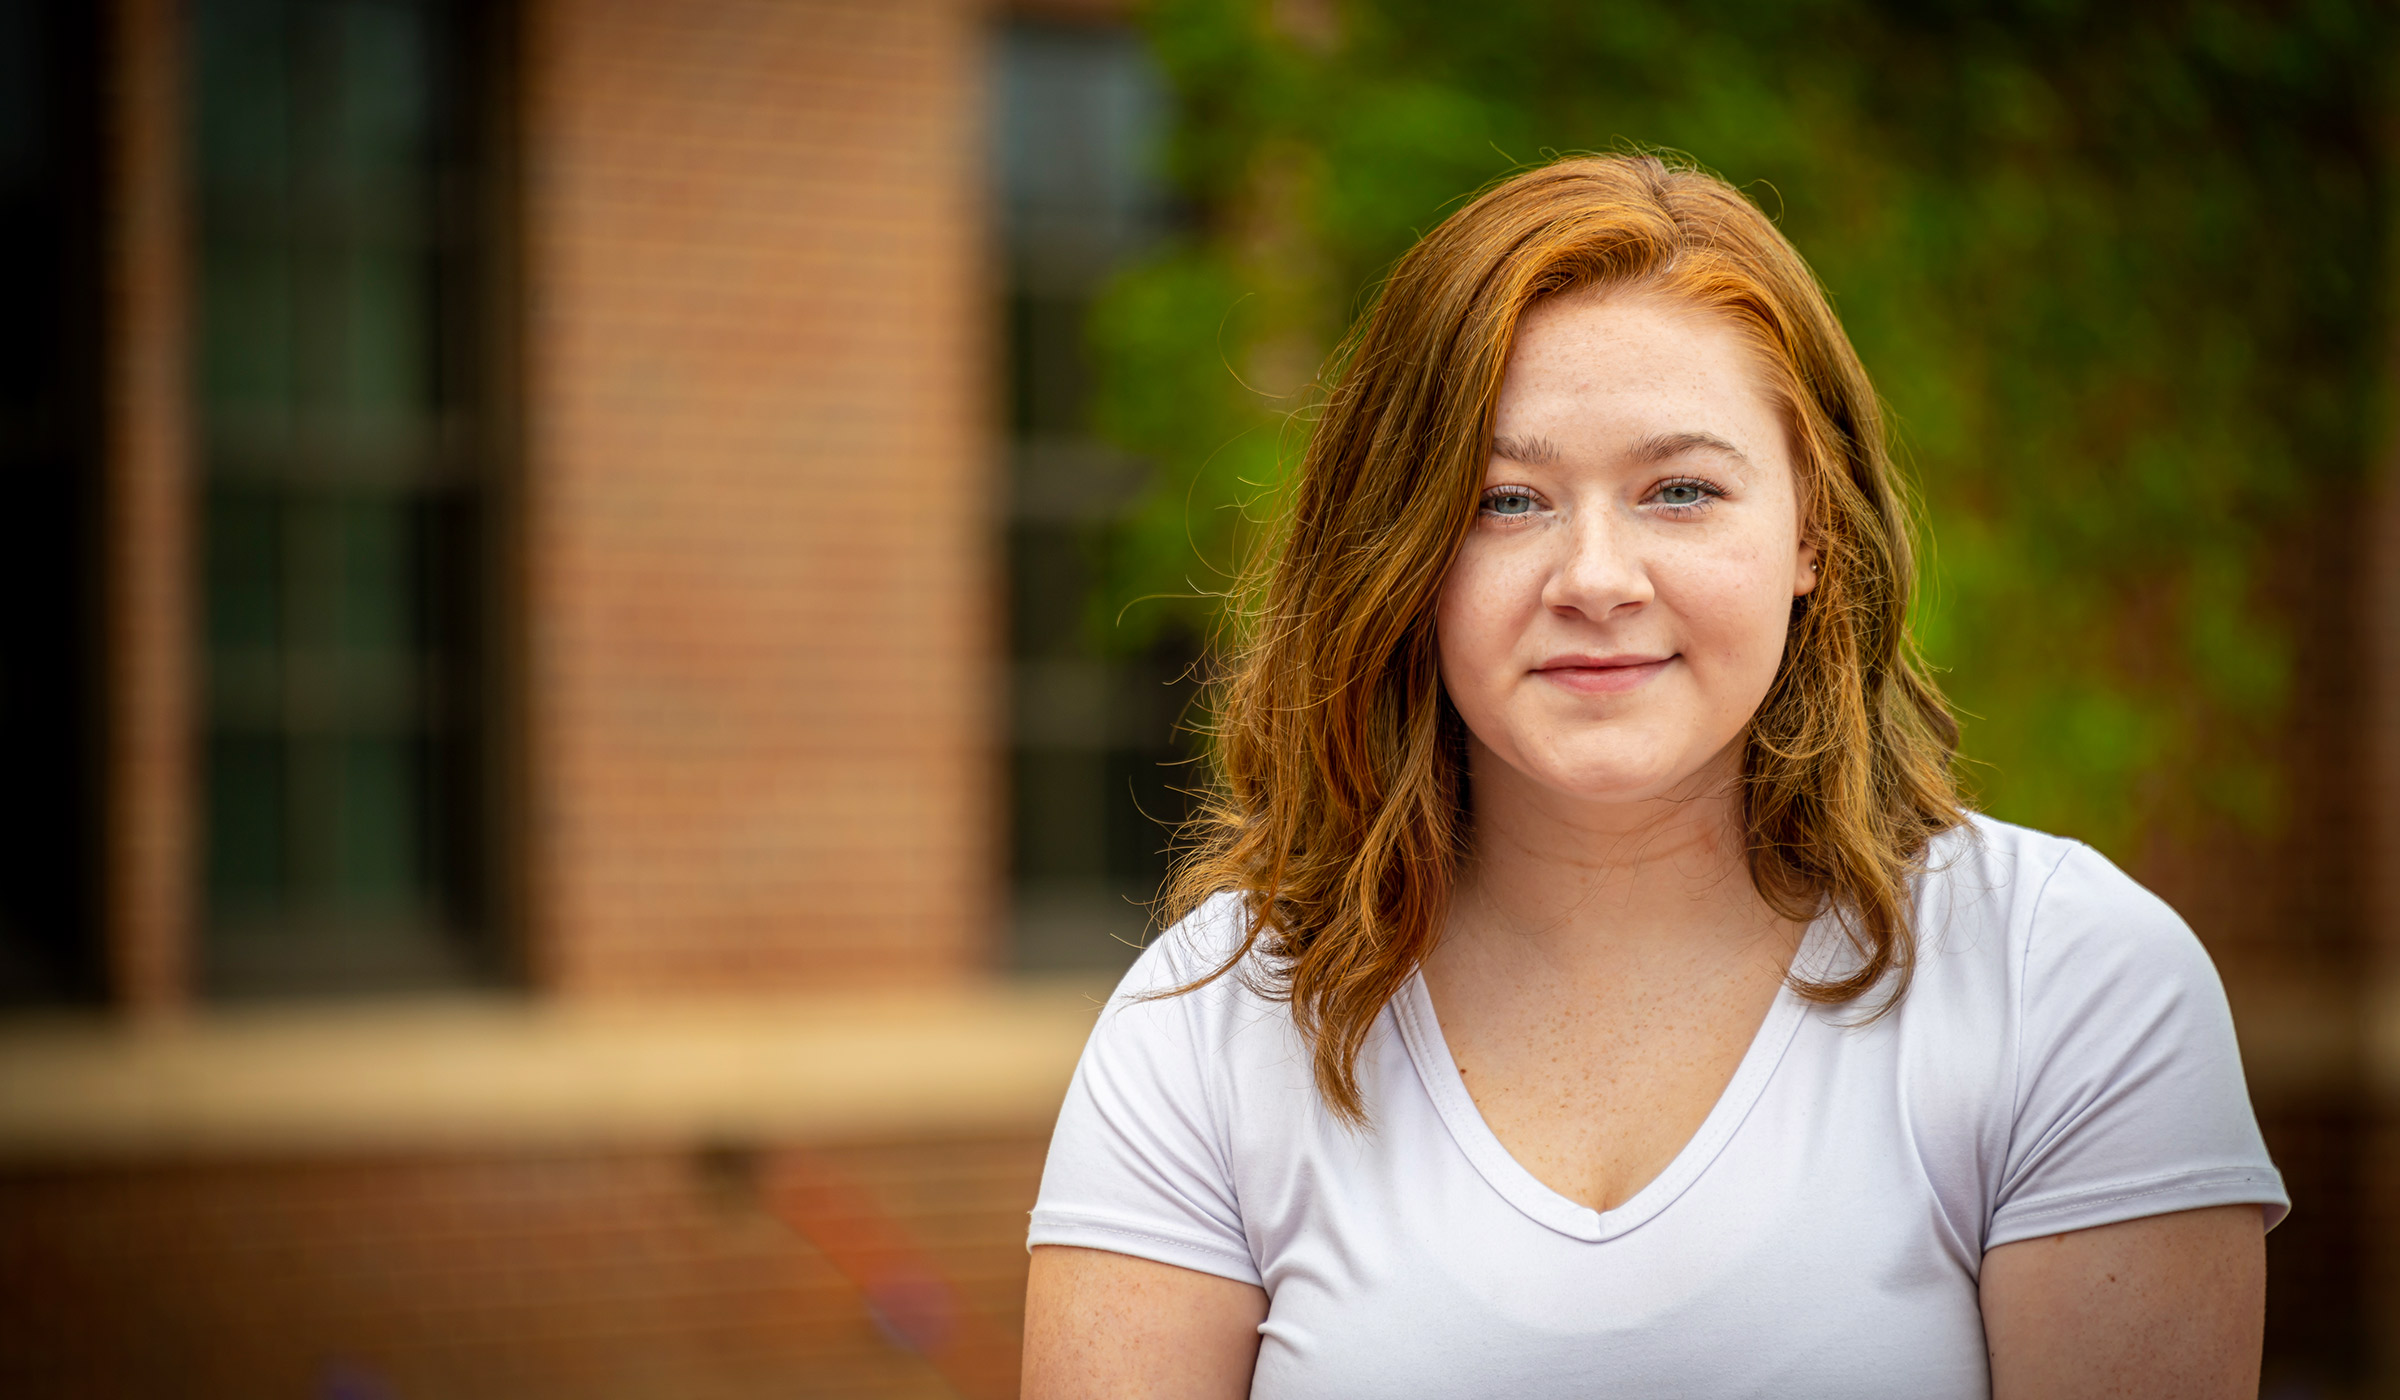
{"type": "Point", "coordinates": [495, 1074]}
{"type": "Point", "coordinates": [506, 1074]}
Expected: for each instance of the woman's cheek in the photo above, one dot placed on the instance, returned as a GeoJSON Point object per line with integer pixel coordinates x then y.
{"type": "Point", "coordinates": [1481, 612]}
{"type": "Point", "coordinates": [1470, 638]}
{"type": "Point", "coordinates": [1743, 603]}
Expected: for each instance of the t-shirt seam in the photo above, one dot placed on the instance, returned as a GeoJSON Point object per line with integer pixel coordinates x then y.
{"type": "Point", "coordinates": [2230, 1174]}
{"type": "Point", "coordinates": [1219, 1116]}
{"type": "Point", "coordinates": [1418, 1025]}
{"type": "Point", "coordinates": [2016, 1086]}
{"type": "Point", "coordinates": [1056, 1217]}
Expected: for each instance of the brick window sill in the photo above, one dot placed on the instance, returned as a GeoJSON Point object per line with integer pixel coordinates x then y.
{"type": "Point", "coordinates": [499, 1074]}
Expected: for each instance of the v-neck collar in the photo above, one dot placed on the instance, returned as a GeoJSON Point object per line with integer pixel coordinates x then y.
{"type": "Point", "coordinates": [1421, 1032]}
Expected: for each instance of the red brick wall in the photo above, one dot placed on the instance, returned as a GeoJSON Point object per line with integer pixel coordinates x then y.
{"type": "Point", "coordinates": [757, 611]}
{"type": "Point", "coordinates": [756, 493]}
{"type": "Point", "coordinates": [2285, 906]}
{"type": "Point", "coordinates": [632, 1275]}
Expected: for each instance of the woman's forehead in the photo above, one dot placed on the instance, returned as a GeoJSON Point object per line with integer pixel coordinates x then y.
{"type": "Point", "coordinates": [1644, 342]}
{"type": "Point", "coordinates": [1636, 386]}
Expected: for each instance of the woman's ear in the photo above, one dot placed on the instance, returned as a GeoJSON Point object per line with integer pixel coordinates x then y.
{"type": "Point", "coordinates": [1804, 572]}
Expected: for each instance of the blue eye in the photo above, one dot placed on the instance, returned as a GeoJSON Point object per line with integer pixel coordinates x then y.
{"type": "Point", "coordinates": [1680, 493]}
{"type": "Point", "coordinates": [1509, 503]}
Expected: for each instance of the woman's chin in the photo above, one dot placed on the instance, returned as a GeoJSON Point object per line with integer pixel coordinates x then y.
{"type": "Point", "coordinates": [1616, 769]}
{"type": "Point", "coordinates": [1620, 786]}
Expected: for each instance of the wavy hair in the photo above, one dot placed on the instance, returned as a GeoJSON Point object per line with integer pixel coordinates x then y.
{"type": "Point", "coordinates": [1337, 812]}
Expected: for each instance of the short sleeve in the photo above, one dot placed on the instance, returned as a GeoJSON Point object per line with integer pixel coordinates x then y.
{"type": "Point", "coordinates": [2129, 1096]}
{"type": "Point", "coordinates": [1138, 1163]}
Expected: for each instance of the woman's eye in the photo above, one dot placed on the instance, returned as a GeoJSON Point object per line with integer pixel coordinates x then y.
{"type": "Point", "coordinates": [1683, 493]}
{"type": "Point", "coordinates": [1509, 503]}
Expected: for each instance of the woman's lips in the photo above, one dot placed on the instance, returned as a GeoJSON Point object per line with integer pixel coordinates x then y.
{"type": "Point", "coordinates": [1602, 675]}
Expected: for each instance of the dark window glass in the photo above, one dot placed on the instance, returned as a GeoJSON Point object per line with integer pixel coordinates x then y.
{"type": "Point", "coordinates": [1094, 770]}
{"type": "Point", "coordinates": [49, 459]}
{"type": "Point", "coordinates": [337, 371]}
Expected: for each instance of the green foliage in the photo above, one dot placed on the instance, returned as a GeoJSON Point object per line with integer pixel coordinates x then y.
{"type": "Point", "coordinates": [2115, 268]}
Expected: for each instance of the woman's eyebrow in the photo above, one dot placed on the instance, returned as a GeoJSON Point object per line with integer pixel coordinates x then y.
{"type": "Point", "coordinates": [1657, 449]}
{"type": "Point", "coordinates": [1531, 451]}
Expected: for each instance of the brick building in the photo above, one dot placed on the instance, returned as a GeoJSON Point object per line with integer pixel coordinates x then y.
{"type": "Point", "coordinates": [523, 880]}
{"type": "Point", "coordinates": [505, 662]}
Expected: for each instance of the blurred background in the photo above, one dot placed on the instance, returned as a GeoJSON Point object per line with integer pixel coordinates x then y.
{"type": "Point", "coordinates": [603, 593]}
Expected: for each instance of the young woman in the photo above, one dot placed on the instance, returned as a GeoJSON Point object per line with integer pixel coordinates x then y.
{"type": "Point", "coordinates": [1589, 983]}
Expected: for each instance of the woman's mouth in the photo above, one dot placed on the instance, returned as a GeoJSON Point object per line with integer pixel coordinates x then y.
{"type": "Point", "coordinates": [1602, 675]}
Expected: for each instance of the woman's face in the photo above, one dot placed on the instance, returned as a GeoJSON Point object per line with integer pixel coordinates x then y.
{"type": "Point", "coordinates": [1619, 609]}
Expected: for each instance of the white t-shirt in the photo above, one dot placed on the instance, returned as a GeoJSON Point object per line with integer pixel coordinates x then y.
{"type": "Point", "coordinates": [2064, 1059]}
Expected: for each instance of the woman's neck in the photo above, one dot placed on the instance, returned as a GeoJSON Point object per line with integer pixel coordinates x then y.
{"type": "Point", "coordinates": [1587, 884]}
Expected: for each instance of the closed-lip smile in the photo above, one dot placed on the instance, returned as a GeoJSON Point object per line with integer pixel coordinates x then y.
{"type": "Point", "coordinates": [1602, 675]}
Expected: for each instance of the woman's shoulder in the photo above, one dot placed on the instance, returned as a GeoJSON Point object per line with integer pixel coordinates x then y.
{"type": "Point", "coordinates": [1196, 973]}
{"type": "Point", "coordinates": [1996, 891]}
{"type": "Point", "coordinates": [2114, 1085]}
{"type": "Point", "coordinates": [1193, 948]}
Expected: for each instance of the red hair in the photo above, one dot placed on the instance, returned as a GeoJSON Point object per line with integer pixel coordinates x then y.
{"type": "Point", "coordinates": [1337, 813]}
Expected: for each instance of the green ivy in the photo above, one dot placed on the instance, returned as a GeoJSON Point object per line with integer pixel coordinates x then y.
{"type": "Point", "coordinates": [2115, 268]}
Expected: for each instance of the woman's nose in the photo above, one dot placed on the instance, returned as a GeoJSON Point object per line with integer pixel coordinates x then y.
{"type": "Point", "coordinates": [1599, 571]}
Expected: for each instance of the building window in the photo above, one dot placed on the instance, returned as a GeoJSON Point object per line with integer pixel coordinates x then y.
{"type": "Point", "coordinates": [1093, 741]}
{"type": "Point", "coordinates": [339, 371]}
{"type": "Point", "coordinates": [49, 450]}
